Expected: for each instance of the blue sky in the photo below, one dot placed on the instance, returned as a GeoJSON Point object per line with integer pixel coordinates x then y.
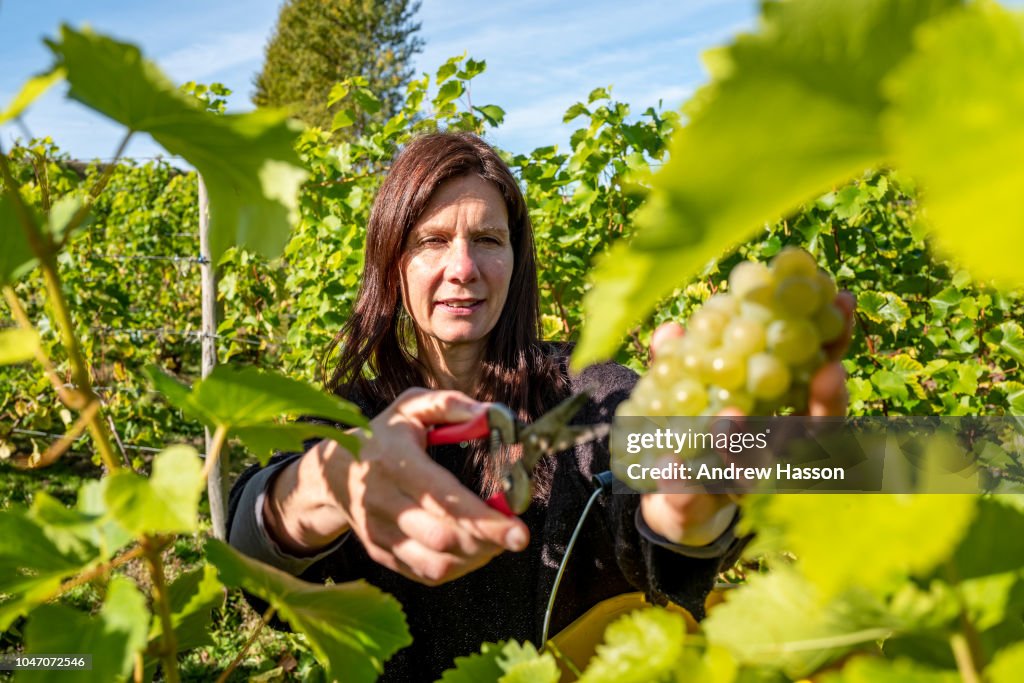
{"type": "Point", "coordinates": [541, 56]}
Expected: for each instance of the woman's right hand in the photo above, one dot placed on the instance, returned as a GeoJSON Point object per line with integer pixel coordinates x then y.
{"type": "Point", "coordinates": [412, 515]}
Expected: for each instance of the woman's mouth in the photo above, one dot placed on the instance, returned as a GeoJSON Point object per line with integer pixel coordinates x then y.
{"type": "Point", "coordinates": [460, 306]}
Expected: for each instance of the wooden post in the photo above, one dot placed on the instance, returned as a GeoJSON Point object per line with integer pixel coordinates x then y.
{"type": "Point", "coordinates": [215, 488]}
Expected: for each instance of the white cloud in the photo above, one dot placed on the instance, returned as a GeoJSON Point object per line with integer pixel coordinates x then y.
{"type": "Point", "coordinates": [214, 55]}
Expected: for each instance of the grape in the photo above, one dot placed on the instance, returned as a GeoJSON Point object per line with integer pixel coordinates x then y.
{"type": "Point", "coordinates": [830, 322]}
{"type": "Point", "coordinates": [798, 296]}
{"type": "Point", "coordinates": [754, 348]}
{"type": "Point", "coordinates": [722, 398]}
{"type": "Point", "coordinates": [725, 369]}
{"type": "Point", "coordinates": [792, 340]}
{"type": "Point", "coordinates": [689, 397]}
{"type": "Point", "coordinates": [751, 281]}
{"type": "Point", "coordinates": [793, 261]}
{"type": "Point", "coordinates": [767, 377]}
{"type": "Point", "coordinates": [723, 303]}
{"type": "Point", "coordinates": [744, 336]}
{"type": "Point", "coordinates": [706, 326]}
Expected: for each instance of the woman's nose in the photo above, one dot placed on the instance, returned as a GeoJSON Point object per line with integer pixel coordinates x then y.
{"type": "Point", "coordinates": [461, 265]}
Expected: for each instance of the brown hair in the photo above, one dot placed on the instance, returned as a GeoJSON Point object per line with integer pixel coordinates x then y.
{"type": "Point", "coordinates": [377, 359]}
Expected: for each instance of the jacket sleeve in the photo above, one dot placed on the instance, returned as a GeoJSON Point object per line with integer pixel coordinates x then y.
{"type": "Point", "coordinates": [663, 570]}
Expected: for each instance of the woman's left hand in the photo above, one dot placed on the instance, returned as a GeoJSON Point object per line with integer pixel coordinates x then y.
{"type": "Point", "coordinates": [699, 518]}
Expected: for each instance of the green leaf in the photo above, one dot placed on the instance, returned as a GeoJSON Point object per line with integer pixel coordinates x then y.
{"type": "Point", "coordinates": [472, 69]}
{"type": "Point", "coordinates": [832, 534]}
{"type": "Point", "coordinates": [290, 437]}
{"type": "Point", "coordinates": [957, 104]}
{"type": "Point", "coordinates": [504, 662]}
{"type": "Point", "coordinates": [813, 74]}
{"type": "Point", "coordinates": [18, 345]}
{"type": "Point", "coordinates": [942, 302]}
{"type": "Point", "coordinates": [61, 214]}
{"type": "Point", "coordinates": [494, 114]}
{"type": "Point", "coordinates": [249, 401]}
{"type": "Point", "coordinates": [448, 69]}
{"type": "Point", "coordinates": [1006, 666]}
{"type": "Point", "coordinates": [353, 628]}
{"type": "Point", "coordinates": [878, 670]}
{"type": "Point", "coordinates": [248, 161]}
{"type": "Point", "coordinates": [343, 119]}
{"type": "Point", "coordinates": [16, 257]}
{"type": "Point", "coordinates": [193, 596]}
{"type": "Point", "coordinates": [450, 91]}
{"type": "Point", "coordinates": [644, 645]}
{"type": "Point", "coordinates": [597, 94]}
{"type": "Point", "coordinates": [523, 664]}
{"type": "Point", "coordinates": [479, 667]}
{"type": "Point", "coordinates": [34, 560]}
{"type": "Point", "coordinates": [778, 620]}
{"type": "Point", "coordinates": [1014, 392]}
{"type": "Point", "coordinates": [574, 111]}
{"type": "Point", "coordinates": [369, 102]}
{"type": "Point", "coordinates": [338, 92]}
{"type": "Point", "coordinates": [167, 502]}
{"type": "Point", "coordinates": [983, 551]}
{"type": "Point", "coordinates": [33, 88]}
{"type": "Point", "coordinates": [890, 385]}
{"type": "Point", "coordinates": [112, 637]}
{"type": "Point", "coordinates": [1012, 340]}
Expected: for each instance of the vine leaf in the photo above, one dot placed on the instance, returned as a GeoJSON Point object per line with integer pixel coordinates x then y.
{"type": "Point", "coordinates": [1006, 665]}
{"type": "Point", "coordinates": [167, 502]}
{"type": "Point", "coordinates": [644, 645]}
{"type": "Point", "coordinates": [18, 345]}
{"type": "Point", "coordinates": [35, 557]}
{"type": "Point", "coordinates": [504, 662]}
{"type": "Point", "coordinates": [247, 161]}
{"type": "Point", "coordinates": [831, 534]}
{"type": "Point", "coordinates": [193, 596]}
{"type": "Point", "coordinates": [817, 125]}
{"type": "Point", "coordinates": [964, 86]}
{"type": "Point", "coordinates": [30, 92]}
{"type": "Point", "coordinates": [16, 257]}
{"type": "Point", "coordinates": [779, 620]}
{"type": "Point", "coordinates": [1009, 337]}
{"type": "Point", "coordinates": [878, 670]}
{"type": "Point", "coordinates": [112, 637]}
{"type": "Point", "coordinates": [248, 401]}
{"type": "Point", "coordinates": [353, 628]}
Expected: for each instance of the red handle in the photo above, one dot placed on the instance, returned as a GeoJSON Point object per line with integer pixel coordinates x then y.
{"type": "Point", "coordinates": [500, 503]}
{"type": "Point", "coordinates": [477, 428]}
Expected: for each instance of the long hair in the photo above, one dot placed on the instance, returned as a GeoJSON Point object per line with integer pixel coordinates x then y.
{"type": "Point", "coordinates": [376, 350]}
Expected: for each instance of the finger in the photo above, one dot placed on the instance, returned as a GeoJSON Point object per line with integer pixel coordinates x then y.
{"type": "Point", "coordinates": [846, 303]}
{"type": "Point", "coordinates": [440, 493]}
{"type": "Point", "coordinates": [438, 407]}
{"type": "Point", "coordinates": [442, 535]}
{"type": "Point", "coordinates": [665, 331]}
{"type": "Point", "coordinates": [481, 520]}
{"type": "Point", "coordinates": [828, 394]}
{"type": "Point", "coordinates": [432, 568]}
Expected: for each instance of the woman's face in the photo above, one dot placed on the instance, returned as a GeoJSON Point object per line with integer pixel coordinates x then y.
{"type": "Point", "coordinates": [457, 263]}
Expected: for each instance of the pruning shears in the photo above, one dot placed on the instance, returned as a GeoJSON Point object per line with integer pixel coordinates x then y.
{"type": "Point", "coordinates": [550, 433]}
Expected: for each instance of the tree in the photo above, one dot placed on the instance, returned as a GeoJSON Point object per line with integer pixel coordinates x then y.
{"type": "Point", "coordinates": [319, 42]}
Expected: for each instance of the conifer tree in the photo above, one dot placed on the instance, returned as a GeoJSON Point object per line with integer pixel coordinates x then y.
{"type": "Point", "coordinates": [317, 43]}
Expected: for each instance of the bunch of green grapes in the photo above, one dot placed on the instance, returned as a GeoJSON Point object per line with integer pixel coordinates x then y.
{"type": "Point", "coordinates": [754, 348]}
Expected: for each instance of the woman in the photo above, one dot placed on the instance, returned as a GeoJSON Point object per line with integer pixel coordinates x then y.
{"type": "Point", "coordinates": [449, 303]}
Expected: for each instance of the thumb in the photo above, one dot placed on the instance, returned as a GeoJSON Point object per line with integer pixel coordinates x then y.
{"type": "Point", "coordinates": [438, 407]}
